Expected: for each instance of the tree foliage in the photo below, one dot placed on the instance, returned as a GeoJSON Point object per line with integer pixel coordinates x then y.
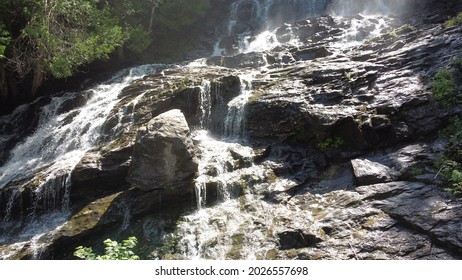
{"type": "Point", "coordinates": [43, 38]}
{"type": "Point", "coordinates": [62, 35]}
{"type": "Point", "coordinates": [113, 250]}
{"type": "Point", "coordinates": [5, 39]}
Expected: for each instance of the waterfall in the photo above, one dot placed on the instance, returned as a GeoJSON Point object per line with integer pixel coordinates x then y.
{"type": "Point", "coordinates": [205, 104]}
{"type": "Point", "coordinates": [62, 138]}
{"type": "Point", "coordinates": [235, 119]}
{"type": "Point", "coordinates": [44, 160]}
{"type": "Point", "coordinates": [238, 226]}
{"type": "Point", "coordinates": [368, 7]}
{"type": "Point", "coordinates": [249, 18]}
{"type": "Point", "coordinates": [232, 228]}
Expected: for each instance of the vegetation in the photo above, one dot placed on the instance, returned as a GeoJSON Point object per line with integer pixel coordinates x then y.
{"type": "Point", "coordinates": [330, 143]}
{"type": "Point", "coordinates": [417, 170]}
{"type": "Point", "coordinates": [458, 63]}
{"type": "Point", "coordinates": [451, 166]}
{"type": "Point", "coordinates": [113, 251]}
{"type": "Point", "coordinates": [454, 21]}
{"type": "Point", "coordinates": [393, 33]}
{"type": "Point", "coordinates": [445, 87]}
{"type": "Point", "coordinates": [50, 38]}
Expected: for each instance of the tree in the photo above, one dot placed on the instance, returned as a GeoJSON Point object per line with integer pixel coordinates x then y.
{"type": "Point", "coordinates": [43, 38]}
{"type": "Point", "coordinates": [60, 36]}
{"type": "Point", "coordinates": [113, 251]}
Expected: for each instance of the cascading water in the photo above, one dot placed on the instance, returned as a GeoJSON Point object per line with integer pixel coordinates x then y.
{"type": "Point", "coordinates": [242, 225]}
{"type": "Point", "coordinates": [235, 119]}
{"type": "Point", "coordinates": [215, 153]}
{"type": "Point", "coordinates": [52, 151]}
{"type": "Point", "coordinates": [248, 18]}
{"type": "Point", "coordinates": [252, 25]}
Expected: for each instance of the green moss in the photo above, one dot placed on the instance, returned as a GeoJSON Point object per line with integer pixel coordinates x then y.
{"type": "Point", "coordinates": [261, 91]}
{"type": "Point", "coordinates": [235, 253]}
{"type": "Point", "coordinates": [121, 142]}
{"type": "Point", "coordinates": [88, 217]}
{"type": "Point", "coordinates": [374, 39]}
{"type": "Point", "coordinates": [454, 21]}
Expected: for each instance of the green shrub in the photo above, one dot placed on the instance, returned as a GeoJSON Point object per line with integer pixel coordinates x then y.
{"type": "Point", "coordinates": [417, 170]}
{"type": "Point", "coordinates": [451, 172]}
{"type": "Point", "coordinates": [454, 21]}
{"type": "Point", "coordinates": [444, 87]}
{"type": "Point", "coordinates": [458, 63]}
{"type": "Point", "coordinates": [330, 143]}
{"type": "Point", "coordinates": [453, 134]}
{"type": "Point", "coordinates": [113, 250]}
{"type": "Point", "coordinates": [455, 181]}
{"type": "Point", "coordinates": [451, 167]}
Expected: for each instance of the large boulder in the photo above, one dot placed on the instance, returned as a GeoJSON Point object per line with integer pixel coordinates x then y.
{"type": "Point", "coordinates": [163, 154]}
{"type": "Point", "coordinates": [368, 172]}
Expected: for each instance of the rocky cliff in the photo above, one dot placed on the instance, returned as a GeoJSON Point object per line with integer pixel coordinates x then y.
{"type": "Point", "coordinates": [323, 147]}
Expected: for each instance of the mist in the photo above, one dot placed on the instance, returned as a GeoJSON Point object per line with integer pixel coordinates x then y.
{"type": "Point", "coordinates": [369, 7]}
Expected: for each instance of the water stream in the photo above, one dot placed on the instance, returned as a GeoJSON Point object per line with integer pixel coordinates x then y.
{"type": "Point", "coordinates": [50, 154]}
{"type": "Point", "coordinates": [242, 225]}
{"type": "Point", "coordinates": [239, 225]}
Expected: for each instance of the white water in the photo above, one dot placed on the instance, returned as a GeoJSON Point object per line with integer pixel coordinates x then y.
{"type": "Point", "coordinates": [368, 7]}
{"type": "Point", "coordinates": [212, 232]}
{"type": "Point", "coordinates": [61, 139]}
{"type": "Point", "coordinates": [261, 16]}
{"type": "Point", "coordinates": [263, 38]}
{"type": "Point", "coordinates": [52, 151]}
{"type": "Point", "coordinates": [218, 224]}
{"type": "Point", "coordinates": [205, 103]}
{"type": "Point", "coordinates": [240, 226]}
{"type": "Point", "coordinates": [235, 119]}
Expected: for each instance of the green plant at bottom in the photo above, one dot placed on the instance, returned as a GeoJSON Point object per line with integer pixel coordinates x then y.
{"type": "Point", "coordinates": [113, 250]}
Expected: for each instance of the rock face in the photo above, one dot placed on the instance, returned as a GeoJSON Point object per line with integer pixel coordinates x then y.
{"type": "Point", "coordinates": [163, 154]}
{"type": "Point", "coordinates": [337, 159]}
{"type": "Point", "coordinates": [368, 172]}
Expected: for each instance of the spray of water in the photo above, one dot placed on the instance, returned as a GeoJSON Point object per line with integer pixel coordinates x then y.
{"type": "Point", "coordinates": [368, 7]}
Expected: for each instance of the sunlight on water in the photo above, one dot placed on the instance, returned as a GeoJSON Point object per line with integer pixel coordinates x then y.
{"type": "Point", "coordinates": [50, 154]}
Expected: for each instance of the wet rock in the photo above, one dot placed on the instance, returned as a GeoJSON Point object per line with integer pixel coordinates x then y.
{"type": "Point", "coordinates": [312, 53]}
{"type": "Point", "coordinates": [97, 175]}
{"type": "Point", "coordinates": [163, 154]}
{"type": "Point", "coordinates": [241, 159]}
{"type": "Point", "coordinates": [297, 239]}
{"type": "Point", "coordinates": [368, 172]}
{"type": "Point", "coordinates": [244, 60]}
{"type": "Point", "coordinates": [335, 177]}
{"type": "Point", "coordinates": [15, 127]}
{"type": "Point", "coordinates": [422, 207]}
{"type": "Point", "coordinates": [75, 101]}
